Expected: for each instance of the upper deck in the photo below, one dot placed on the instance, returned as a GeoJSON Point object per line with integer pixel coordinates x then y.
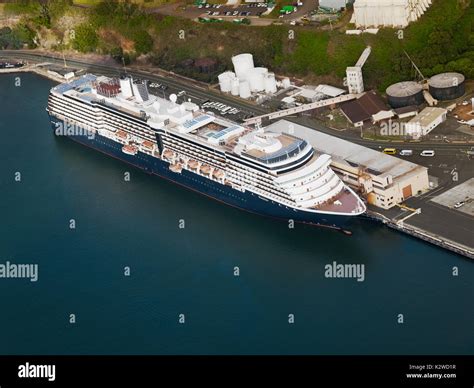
{"type": "Point", "coordinates": [184, 119]}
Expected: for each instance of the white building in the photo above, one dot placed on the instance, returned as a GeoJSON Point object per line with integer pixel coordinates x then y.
{"type": "Point", "coordinates": [355, 80]}
{"type": "Point", "coordinates": [388, 13]}
{"type": "Point", "coordinates": [427, 120]}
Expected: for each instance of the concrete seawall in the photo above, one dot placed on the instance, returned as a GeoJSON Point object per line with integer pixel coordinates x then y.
{"type": "Point", "coordinates": [424, 235]}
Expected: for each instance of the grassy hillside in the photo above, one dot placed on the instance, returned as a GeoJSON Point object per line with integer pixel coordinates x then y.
{"type": "Point", "coordinates": [442, 40]}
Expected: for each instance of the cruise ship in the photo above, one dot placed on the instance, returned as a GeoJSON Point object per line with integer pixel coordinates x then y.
{"type": "Point", "coordinates": [271, 174]}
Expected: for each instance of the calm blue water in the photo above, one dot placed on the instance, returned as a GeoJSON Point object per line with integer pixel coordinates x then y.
{"type": "Point", "coordinates": [190, 271]}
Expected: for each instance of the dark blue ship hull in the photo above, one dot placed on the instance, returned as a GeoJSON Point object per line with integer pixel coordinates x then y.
{"type": "Point", "coordinates": [243, 200]}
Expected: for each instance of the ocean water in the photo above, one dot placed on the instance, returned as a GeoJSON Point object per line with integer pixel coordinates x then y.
{"type": "Point", "coordinates": [190, 271]}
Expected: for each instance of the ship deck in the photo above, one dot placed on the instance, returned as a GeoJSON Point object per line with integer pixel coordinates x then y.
{"type": "Point", "coordinates": [348, 203]}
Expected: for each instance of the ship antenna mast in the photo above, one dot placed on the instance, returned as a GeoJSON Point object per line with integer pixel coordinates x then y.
{"type": "Point", "coordinates": [124, 67]}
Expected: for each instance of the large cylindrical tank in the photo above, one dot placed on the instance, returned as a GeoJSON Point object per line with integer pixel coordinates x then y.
{"type": "Point", "coordinates": [243, 63]}
{"type": "Point", "coordinates": [447, 86]}
{"type": "Point", "coordinates": [225, 80]}
{"type": "Point", "coordinates": [404, 94]}
{"type": "Point", "coordinates": [234, 87]}
{"type": "Point", "coordinates": [256, 80]}
{"type": "Point", "coordinates": [285, 83]}
{"type": "Point", "coordinates": [262, 70]}
{"type": "Point", "coordinates": [244, 89]}
{"type": "Point", "coordinates": [270, 83]}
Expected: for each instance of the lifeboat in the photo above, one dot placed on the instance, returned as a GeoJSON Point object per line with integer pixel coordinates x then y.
{"type": "Point", "coordinates": [193, 164]}
{"type": "Point", "coordinates": [205, 169]}
{"type": "Point", "coordinates": [176, 167]}
{"type": "Point", "coordinates": [121, 134]}
{"type": "Point", "coordinates": [219, 174]}
{"type": "Point", "coordinates": [130, 149]}
{"type": "Point", "coordinates": [168, 154]}
{"type": "Point", "coordinates": [148, 145]}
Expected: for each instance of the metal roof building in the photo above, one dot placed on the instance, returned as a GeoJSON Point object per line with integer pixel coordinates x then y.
{"type": "Point", "coordinates": [362, 109]}
{"type": "Point", "coordinates": [384, 180]}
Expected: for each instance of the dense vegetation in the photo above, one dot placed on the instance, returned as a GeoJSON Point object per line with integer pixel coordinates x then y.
{"type": "Point", "coordinates": [442, 40]}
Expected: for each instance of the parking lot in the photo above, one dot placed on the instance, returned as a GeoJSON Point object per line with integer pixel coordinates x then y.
{"type": "Point", "coordinates": [460, 197]}
{"type": "Point", "coordinates": [247, 10]}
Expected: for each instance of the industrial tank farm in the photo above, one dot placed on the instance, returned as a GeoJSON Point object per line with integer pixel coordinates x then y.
{"type": "Point", "coordinates": [447, 86]}
{"type": "Point", "coordinates": [404, 94]}
{"type": "Point", "coordinates": [247, 80]}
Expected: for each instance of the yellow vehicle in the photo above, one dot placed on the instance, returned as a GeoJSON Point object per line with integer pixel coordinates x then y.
{"type": "Point", "coordinates": [390, 151]}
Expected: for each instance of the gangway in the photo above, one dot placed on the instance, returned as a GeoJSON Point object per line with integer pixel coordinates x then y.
{"type": "Point", "coordinates": [364, 56]}
{"type": "Point", "coordinates": [301, 108]}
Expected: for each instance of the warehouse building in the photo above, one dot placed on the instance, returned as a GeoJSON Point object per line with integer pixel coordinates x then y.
{"type": "Point", "coordinates": [406, 112]}
{"type": "Point", "coordinates": [383, 180]}
{"type": "Point", "coordinates": [388, 13]}
{"type": "Point", "coordinates": [363, 109]}
{"type": "Point", "coordinates": [424, 122]}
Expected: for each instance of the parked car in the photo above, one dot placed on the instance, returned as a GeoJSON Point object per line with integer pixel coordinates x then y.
{"type": "Point", "coordinates": [390, 151]}
{"type": "Point", "coordinates": [427, 153]}
{"type": "Point", "coordinates": [457, 205]}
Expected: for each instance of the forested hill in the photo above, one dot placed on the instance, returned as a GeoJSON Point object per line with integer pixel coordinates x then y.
{"type": "Point", "coordinates": [441, 40]}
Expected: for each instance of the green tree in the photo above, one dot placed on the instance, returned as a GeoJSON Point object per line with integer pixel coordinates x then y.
{"type": "Point", "coordinates": [85, 39]}
{"type": "Point", "coordinates": [143, 42]}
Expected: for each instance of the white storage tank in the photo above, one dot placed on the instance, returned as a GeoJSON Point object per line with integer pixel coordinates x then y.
{"type": "Point", "coordinates": [270, 83]}
{"type": "Point", "coordinates": [285, 83]}
{"type": "Point", "coordinates": [256, 82]}
{"type": "Point", "coordinates": [262, 70]}
{"type": "Point", "coordinates": [244, 89]}
{"type": "Point", "coordinates": [243, 63]}
{"type": "Point", "coordinates": [225, 80]}
{"type": "Point", "coordinates": [234, 90]}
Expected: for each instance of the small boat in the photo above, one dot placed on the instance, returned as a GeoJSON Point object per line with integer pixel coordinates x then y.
{"type": "Point", "coordinates": [147, 144]}
{"type": "Point", "coordinates": [168, 154]}
{"type": "Point", "coordinates": [130, 149]}
{"type": "Point", "coordinates": [121, 134]}
{"type": "Point", "coordinates": [176, 167]}
{"type": "Point", "coordinates": [219, 174]}
{"type": "Point", "coordinates": [193, 164]}
{"type": "Point", "coordinates": [205, 169]}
